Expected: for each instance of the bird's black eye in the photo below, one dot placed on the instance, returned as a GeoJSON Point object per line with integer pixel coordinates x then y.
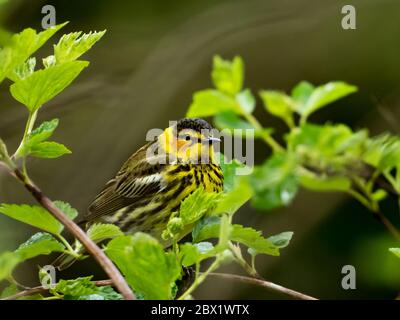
{"type": "Point", "coordinates": [187, 137]}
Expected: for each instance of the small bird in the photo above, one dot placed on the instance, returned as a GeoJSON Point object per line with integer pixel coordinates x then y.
{"type": "Point", "coordinates": [153, 182]}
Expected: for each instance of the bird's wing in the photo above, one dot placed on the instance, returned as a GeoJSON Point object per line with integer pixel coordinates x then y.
{"type": "Point", "coordinates": [136, 179]}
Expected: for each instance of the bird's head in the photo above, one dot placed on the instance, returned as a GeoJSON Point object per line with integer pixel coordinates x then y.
{"type": "Point", "coordinates": [189, 141]}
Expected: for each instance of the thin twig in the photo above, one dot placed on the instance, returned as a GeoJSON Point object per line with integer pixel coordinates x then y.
{"type": "Point", "coordinates": [91, 247]}
{"type": "Point", "coordinates": [40, 289]}
{"type": "Point", "coordinates": [265, 284]}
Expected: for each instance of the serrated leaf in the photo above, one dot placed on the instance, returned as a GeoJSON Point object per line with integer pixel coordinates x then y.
{"type": "Point", "coordinates": [210, 102]}
{"type": "Point", "coordinates": [65, 207]}
{"type": "Point", "coordinates": [100, 231]}
{"type": "Point", "coordinates": [281, 240]}
{"type": "Point", "coordinates": [279, 104]}
{"type": "Point", "coordinates": [33, 215]}
{"type": "Point", "coordinates": [274, 183]}
{"type": "Point", "coordinates": [196, 205]}
{"type": "Point", "coordinates": [153, 271]}
{"type": "Point", "coordinates": [76, 287]}
{"type": "Point", "coordinates": [383, 152]}
{"type": "Point", "coordinates": [39, 244]}
{"type": "Point", "coordinates": [43, 132]}
{"type": "Point", "coordinates": [71, 46]}
{"type": "Point", "coordinates": [102, 293]}
{"type": "Point", "coordinates": [22, 45]}
{"type": "Point", "coordinates": [49, 149]}
{"type": "Point", "coordinates": [209, 227]}
{"type": "Point", "coordinates": [325, 94]}
{"type": "Point", "coordinates": [43, 85]}
{"type": "Point", "coordinates": [227, 76]}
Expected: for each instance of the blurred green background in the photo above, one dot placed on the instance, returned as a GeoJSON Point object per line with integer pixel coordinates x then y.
{"type": "Point", "coordinates": [143, 73]}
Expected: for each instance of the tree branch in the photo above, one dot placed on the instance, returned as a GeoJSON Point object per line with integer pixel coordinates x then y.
{"type": "Point", "coordinates": [91, 247]}
{"type": "Point", "coordinates": [265, 284]}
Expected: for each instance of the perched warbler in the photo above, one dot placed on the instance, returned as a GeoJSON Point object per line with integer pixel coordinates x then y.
{"type": "Point", "coordinates": [153, 182]}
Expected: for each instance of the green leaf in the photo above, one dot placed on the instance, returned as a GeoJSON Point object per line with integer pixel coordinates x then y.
{"type": "Point", "coordinates": [246, 101]}
{"type": "Point", "coordinates": [325, 94]}
{"type": "Point", "coordinates": [196, 205]}
{"type": "Point", "coordinates": [195, 253]}
{"type": "Point", "coordinates": [153, 271]}
{"type": "Point", "coordinates": [25, 69]}
{"type": "Point", "coordinates": [43, 132]}
{"type": "Point", "coordinates": [8, 261]}
{"type": "Point", "coordinates": [65, 207]}
{"type": "Point", "coordinates": [281, 240]}
{"type": "Point", "coordinates": [9, 291]}
{"type": "Point", "coordinates": [274, 183]}
{"type": "Point", "coordinates": [39, 244]}
{"type": "Point", "coordinates": [302, 92]}
{"type": "Point", "coordinates": [102, 293]}
{"type": "Point", "coordinates": [327, 183]}
{"type": "Point", "coordinates": [227, 76]}
{"type": "Point", "coordinates": [5, 62]}
{"type": "Point", "coordinates": [43, 85]}
{"type": "Point", "coordinates": [71, 46]}
{"type": "Point", "coordinates": [231, 121]}
{"type": "Point", "coordinates": [210, 102]}
{"type": "Point", "coordinates": [209, 227]}
{"type": "Point", "coordinates": [395, 251]}
{"type": "Point", "coordinates": [33, 215]}
{"type": "Point", "coordinates": [229, 169]}
{"type": "Point", "coordinates": [49, 149]}
{"type": "Point", "coordinates": [383, 152]}
{"type": "Point", "coordinates": [76, 287]}
{"type": "Point", "coordinates": [24, 44]}
{"type": "Point", "coordinates": [231, 201]}
{"type": "Point", "coordinates": [100, 231]}
{"type": "Point", "coordinates": [279, 104]}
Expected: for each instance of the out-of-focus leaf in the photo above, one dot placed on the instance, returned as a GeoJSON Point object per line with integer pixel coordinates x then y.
{"type": "Point", "coordinates": [274, 183]}
{"type": "Point", "coordinates": [229, 169]}
{"type": "Point", "coordinates": [279, 104]}
{"type": "Point", "coordinates": [281, 240]}
{"type": "Point", "coordinates": [227, 76]}
{"type": "Point", "coordinates": [395, 251]}
{"type": "Point", "coordinates": [153, 271]}
{"type": "Point", "coordinates": [325, 94]}
{"type": "Point", "coordinates": [246, 101]}
{"type": "Point", "coordinates": [71, 46]}
{"type": "Point", "coordinates": [302, 92]}
{"type": "Point", "coordinates": [383, 152]}
{"type": "Point", "coordinates": [318, 183]}
{"type": "Point", "coordinates": [234, 125]}
{"type": "Point", "coordinates": [210, 102]}
{"type": "Point", "coordinates": [43, 85]}
{"type": "Point", "coordinates": [9, 291]}
{"type": "Point", "coordinates": [8, 261]}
